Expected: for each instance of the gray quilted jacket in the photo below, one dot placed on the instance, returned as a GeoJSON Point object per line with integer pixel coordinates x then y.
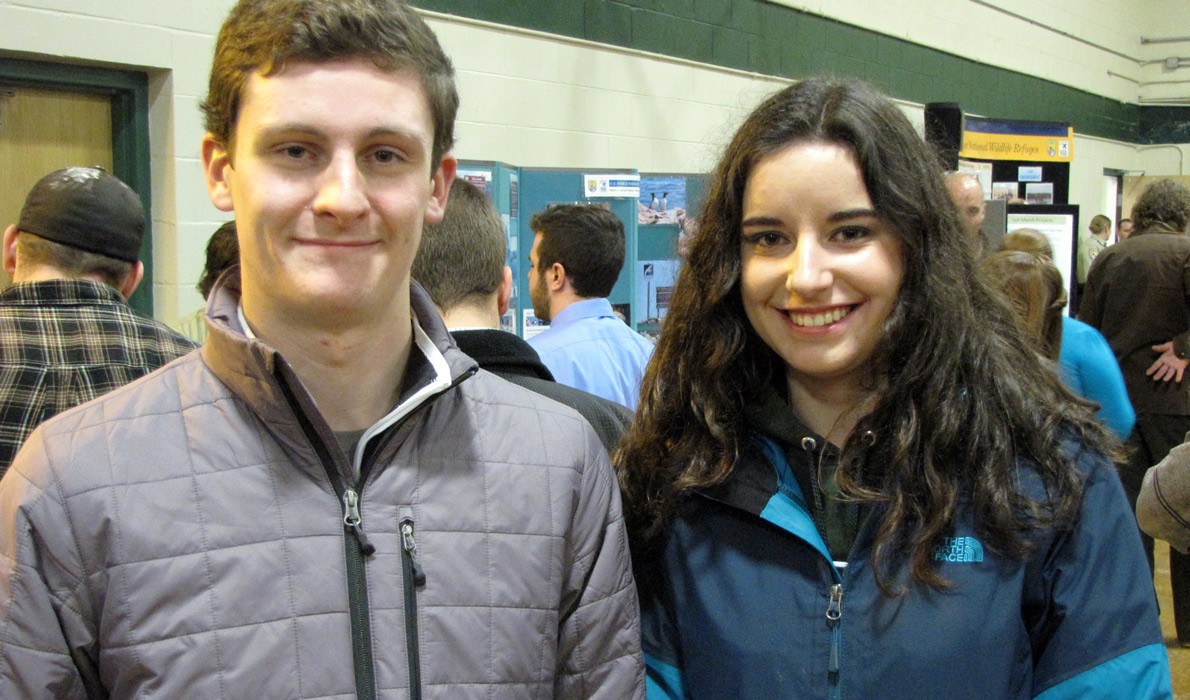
{"type": "Point", "coordinates": [200, 534]}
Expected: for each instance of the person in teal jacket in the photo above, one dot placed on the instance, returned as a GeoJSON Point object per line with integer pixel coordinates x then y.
{"type": "Point", "coordinates": [849, 476]}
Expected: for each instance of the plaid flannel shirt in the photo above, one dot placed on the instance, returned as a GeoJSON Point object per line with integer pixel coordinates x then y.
{"type": "Point", "coordinates": [63, 342]}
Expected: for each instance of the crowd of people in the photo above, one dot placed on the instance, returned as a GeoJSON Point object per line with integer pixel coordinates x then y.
{"type": "Point", "coordinates": [867, 457]}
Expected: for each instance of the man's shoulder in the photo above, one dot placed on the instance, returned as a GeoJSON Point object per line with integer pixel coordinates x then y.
{"type": "Point", "coordinates": [168, 390]}
{"type": "Point", "coordinates": [165, 336]}
{"type": "Point", "coordinates": [1154, 243]}
{"type": "Point", "coordinates": [586, 403]}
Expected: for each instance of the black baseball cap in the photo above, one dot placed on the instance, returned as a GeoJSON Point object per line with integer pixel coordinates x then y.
{"type": "Point", "coordinates": [86, 208]}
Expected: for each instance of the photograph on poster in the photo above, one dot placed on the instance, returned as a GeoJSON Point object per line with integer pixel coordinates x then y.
{"type": "Point", "coordinates": [1039, 193]}
{"type": "Point", "coordinates": [655, 281]}
{"type": "Point", "coordinates": [1005, 190]}
{"type": "Point", "coordinates": [482, 179]}
{"type": "Point", "coordinates": [662, 199]}
{"type": "Point", "coordinates": [530, 324]}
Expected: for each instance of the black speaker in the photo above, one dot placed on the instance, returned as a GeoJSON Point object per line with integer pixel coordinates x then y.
{"type": "Point", "coordinates": [944, 131]}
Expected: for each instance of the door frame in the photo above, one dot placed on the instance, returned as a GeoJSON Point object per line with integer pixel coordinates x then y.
{"type": "Point", "coordinates": [129, 92]}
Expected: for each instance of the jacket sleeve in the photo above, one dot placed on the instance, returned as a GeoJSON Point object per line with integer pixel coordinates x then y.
{"type": "Point", "coordinates": [599, 639]}
{"type": "Point", "coordinates": [1163, 507]}
{"type": "Point", "coordinates": [1093, 618]}
{"type": "Point", "coordinates": [46, 643]}
{"type": "Point", "coordinates": [1104, 384]}
{"type": "Point", "coordinates": [1090, 306]}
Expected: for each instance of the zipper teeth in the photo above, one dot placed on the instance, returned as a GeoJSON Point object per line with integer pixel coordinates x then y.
{"type": "Point", "coordinates": [412, 645]}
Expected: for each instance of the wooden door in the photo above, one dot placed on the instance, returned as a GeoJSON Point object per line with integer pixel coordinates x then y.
{"type": "Point", "coordinates": [42, 131]}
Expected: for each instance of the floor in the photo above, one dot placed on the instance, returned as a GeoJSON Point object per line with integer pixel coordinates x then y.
{"type": "Point", "coordinates": [1179, 658]}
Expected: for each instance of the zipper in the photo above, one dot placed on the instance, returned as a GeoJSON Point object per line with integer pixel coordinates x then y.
{"type": "Point", "coordinates": [356, 548]}
{"type": "Point", "coordinates": [413, 578]}
{"type": "Point", "coordinates": [834, 616]}
{"type": "Point", "coordinates": [357, 581]}
{"type": "Point", "coordinates": [352, 520]}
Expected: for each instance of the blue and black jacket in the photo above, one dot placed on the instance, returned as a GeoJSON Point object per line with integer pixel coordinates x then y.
{"type": "Point", "coordinates": [744, 601]}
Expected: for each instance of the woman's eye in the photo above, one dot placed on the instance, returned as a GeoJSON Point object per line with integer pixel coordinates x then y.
{"type": "Point", "coordinates": [766, 238]}
{"type": "Point", "coordinates": [852, 233]}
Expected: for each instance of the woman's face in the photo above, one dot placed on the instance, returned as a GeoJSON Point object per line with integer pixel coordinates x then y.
{"type": "Point", "coordinates": [821, 272]}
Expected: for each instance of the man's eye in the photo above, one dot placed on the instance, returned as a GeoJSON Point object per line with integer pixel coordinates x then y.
{"type": "Point", "coordinates": [295, 151]}
{"type": "Point", "coordinates": [385, 155]}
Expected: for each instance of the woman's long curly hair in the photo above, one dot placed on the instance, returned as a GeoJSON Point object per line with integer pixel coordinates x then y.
{"type": "Point", "coordinates": [962, 396]}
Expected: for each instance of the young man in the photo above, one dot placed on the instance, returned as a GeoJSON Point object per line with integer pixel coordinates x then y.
{"type": "Point", "coordinates": [577, 254]}
{"type": "Point", "coordinates": [460, 264]}
{"type": "Point", "coordinates": [329, 501]}
{"type": "Point", "coordinates": [67, 333]}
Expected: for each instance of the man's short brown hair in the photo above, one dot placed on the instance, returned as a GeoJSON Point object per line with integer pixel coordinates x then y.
{"type": "Point", "coordinates": [35, 251]}
{"type": "Point", "coordinates": [265, 35]}
{"type": "Point", "coordinates": [589, 242]}
{"type": "Point", "coordinates": [463, 256]}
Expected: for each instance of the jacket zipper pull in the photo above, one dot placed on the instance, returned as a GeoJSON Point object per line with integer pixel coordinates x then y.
{"type": "Point", "coordinates": [410, 547]}
{"type": "Point", "coordinates": [834, 613]}
{"type": "Point", "coordinates": [351, 519]}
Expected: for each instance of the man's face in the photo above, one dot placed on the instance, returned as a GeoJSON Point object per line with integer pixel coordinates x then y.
{"type": "Point", "coordinates": [1125, 229]}
{"type": "Point", "coordinates": [539, 293]}
{"type": "Point", "coordinates": [330, 182]}
{"type": "Point", "coordinates": [968, 199]}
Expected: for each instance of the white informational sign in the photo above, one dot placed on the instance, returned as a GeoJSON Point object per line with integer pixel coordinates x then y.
{"type": "Point", "coordinates": [1029, 173]}
{"type": "Point", "coordinates": [1059, 229]}
{"type": "Point", "coordinates": [612, 185]}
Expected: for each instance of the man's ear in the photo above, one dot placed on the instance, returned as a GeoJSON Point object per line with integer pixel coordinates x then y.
{"type": "Point", "coordinates": [440, 183]}
{"type": "Point", "coordinates": [504, 293]}
{"type": "Point", "coordinates": [10, 250]}
{"type": "Point", "coordinates": [556, 277]}
{"type": "Point", "coordinates": [216, 166]}
{"type": "Point", "coordinates": [132, 281]}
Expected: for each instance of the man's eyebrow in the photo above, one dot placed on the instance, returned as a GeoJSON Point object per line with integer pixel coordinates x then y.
{"type": "Point", "coordinates": [394, 130]}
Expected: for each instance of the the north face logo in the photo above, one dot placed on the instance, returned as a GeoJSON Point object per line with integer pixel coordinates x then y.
{"type": "Point", "coordinates": [958, 549]}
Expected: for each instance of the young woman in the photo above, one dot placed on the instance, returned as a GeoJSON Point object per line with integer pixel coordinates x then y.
{"type": "Point", "coordinates": [1032, 286]}
{"type": "Point", "coordinates": [849, 476]}
{"type": "Point", "coordinates": [1089, 367]}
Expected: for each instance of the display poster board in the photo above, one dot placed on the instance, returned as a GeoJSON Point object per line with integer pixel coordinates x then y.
{"type": "Point", "coordinates": [1059, 223]}
{"type": "Point", "coordinates": [1016, 139]}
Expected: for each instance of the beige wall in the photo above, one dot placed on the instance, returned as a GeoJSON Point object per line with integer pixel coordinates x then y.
{"type": "Point", "coordinates": [536, 100]}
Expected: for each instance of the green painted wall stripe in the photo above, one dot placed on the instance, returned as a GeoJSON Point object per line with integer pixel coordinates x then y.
{"type": "Point", "coordinates": [758, 36]}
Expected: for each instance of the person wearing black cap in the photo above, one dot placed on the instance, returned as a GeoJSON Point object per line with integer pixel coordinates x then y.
{"type": "Point", "coordinates": [67, 333]}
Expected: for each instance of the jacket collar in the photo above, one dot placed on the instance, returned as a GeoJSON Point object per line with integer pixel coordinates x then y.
{"type": "Point", "coordinates": [499, 351]}
{"type": "Point", "coordinates": [61, 292]}
{"type": "Point", "coordinates": [260, 376]}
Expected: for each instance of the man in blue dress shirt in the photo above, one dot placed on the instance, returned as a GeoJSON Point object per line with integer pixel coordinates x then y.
{"type": "Point", "coordinates": [576, 257]}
